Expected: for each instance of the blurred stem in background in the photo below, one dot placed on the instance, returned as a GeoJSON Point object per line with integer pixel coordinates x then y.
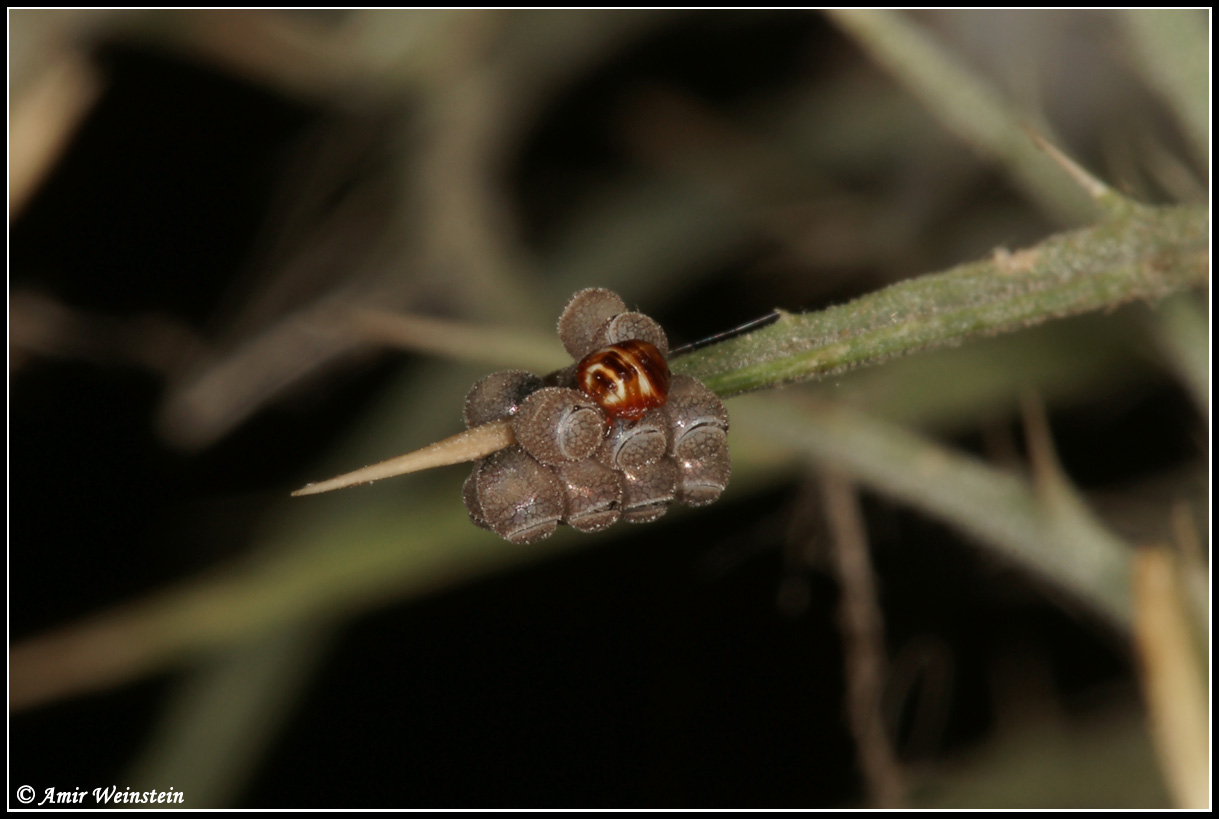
{"type": "Point", "coordinates": [259, 627]}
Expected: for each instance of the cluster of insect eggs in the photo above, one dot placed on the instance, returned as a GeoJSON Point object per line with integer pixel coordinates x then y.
{"type": "Point", "coordinates": [612, 437]}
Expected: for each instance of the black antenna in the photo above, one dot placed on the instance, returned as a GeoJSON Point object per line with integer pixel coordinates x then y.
{"type": "Point", "coordinates": [769, 318]}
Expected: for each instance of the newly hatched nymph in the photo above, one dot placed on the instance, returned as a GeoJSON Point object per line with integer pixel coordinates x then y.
{"type": "Point", "coordinates": [626, 379]}
{"type": "Point", "coordinates": [612, 437]}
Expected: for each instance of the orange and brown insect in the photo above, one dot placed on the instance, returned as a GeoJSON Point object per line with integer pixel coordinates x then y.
{"type": "Point", "coordinates": [625, 379]}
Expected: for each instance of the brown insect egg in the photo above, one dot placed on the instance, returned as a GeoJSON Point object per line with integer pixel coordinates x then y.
{"type": "Point", "coordinates": [625, 379]}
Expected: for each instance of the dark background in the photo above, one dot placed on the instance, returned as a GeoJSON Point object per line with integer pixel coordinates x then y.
{"type": "Point", "coordinates": [695, 663]}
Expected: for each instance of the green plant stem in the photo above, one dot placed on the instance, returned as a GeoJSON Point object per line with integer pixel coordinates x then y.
{"type": "Point", "coordinates": [966, 104]}
{"type": "Point", "coordinates": [220, 719]}
{"type": "Point", "coordinates": [1171, 48]}
{"type": "Point", "coordinates": [1179, 326]}
{"type": "Point", "coordinates": [1002, 509]}
{"type": "Point", "coordinates": [359, 551]}
{"type": "Point", "coordinates": [1147, 254]}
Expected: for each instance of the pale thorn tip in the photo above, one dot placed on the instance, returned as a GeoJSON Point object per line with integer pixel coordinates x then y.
{"type": "Point", "coordinates": [1092, 186]}
{"type": "Point", "coordinates": [470, 445]}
